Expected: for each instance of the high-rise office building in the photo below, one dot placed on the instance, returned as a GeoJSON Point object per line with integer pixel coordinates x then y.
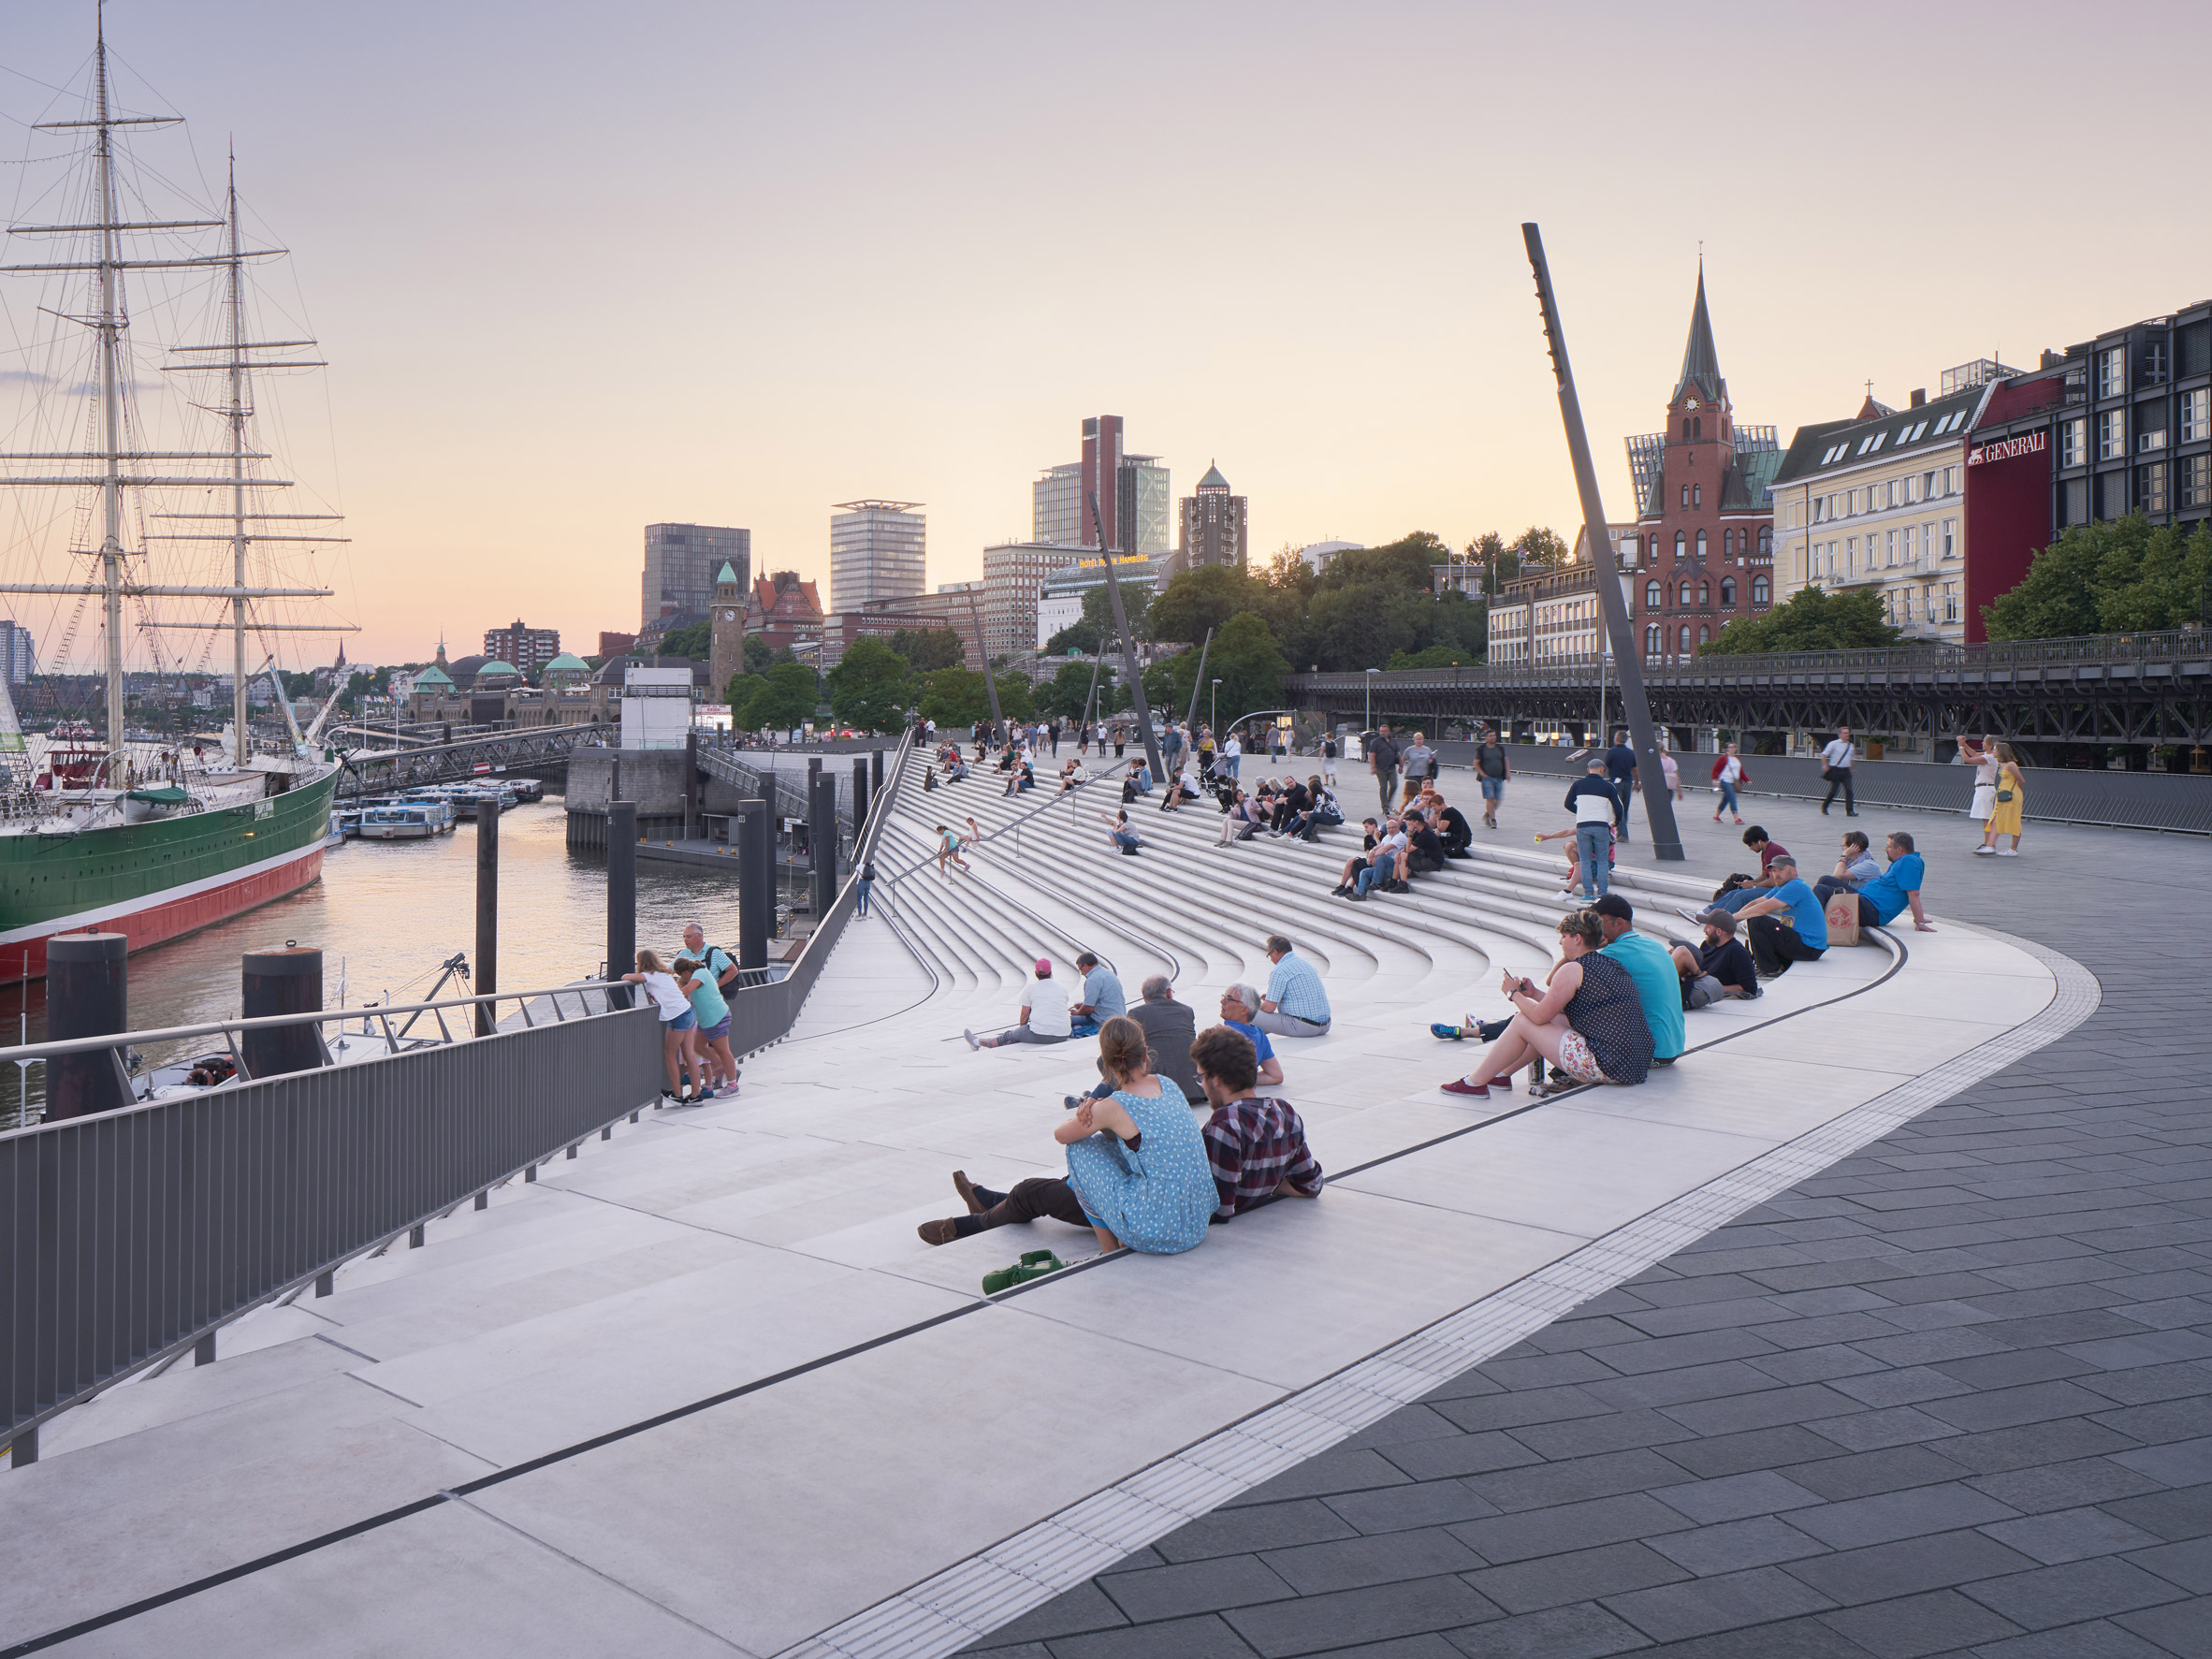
{"type": "Point", "coordinates": [528, 649]}
{"type": "Point", "coordinates": [1214, 530]}
{"type": "Point", "coordinates": [1136, 501]}
{"type": "Point", "coordinates": [681, 560]}
{"type": "Point", "coordinates": [877, 551]}
{"type": "Point", "coordinates": [18, 654]}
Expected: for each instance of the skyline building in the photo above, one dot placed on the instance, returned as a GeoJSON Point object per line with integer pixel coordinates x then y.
{"type": "Point", "coordinates": [1136, 499]}
{"type": "Point", "coordinates": [528, 649]}
{"type": "Point", "coordinates": [877, 551]}
{"type": "Point", "coordinates": [19, 653]}
{"type": "Point", "coordinates": [680, 562]}
{"type": "Point", "coordinates": [1215, 527]}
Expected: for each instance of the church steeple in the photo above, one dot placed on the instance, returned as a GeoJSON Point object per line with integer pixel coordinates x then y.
{"type": "Point", "coordinates": [1701, 361]}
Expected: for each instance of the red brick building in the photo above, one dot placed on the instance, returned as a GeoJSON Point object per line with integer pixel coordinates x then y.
{"type": "Point", "coordinates": [1705, 513]}
{"type": "Point", "coordinates": [785, 611]}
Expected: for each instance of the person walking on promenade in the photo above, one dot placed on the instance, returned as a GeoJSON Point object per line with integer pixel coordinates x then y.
{"type": "Point", "coordinates": [1492, 766]}
{"type": "Point", "coordinates": [1329, 760]}
{"type": "Point", "coordinates": [861, 890]}
{"type": "Point", "coordinates": [1727, 772]}
{"type": "Point", "coordinates": [2011, 799]}
{"type": "Point", "coordinates": [1620, 772]}
{"type": "Point", "coordinates": [1836, 762]}
{"type": "Point", "coordinates": [1419, 762]}
{"type": "Point", "coordinates": [1597, 809]}
{"type": "Point", "coordinates": [1382, 765]}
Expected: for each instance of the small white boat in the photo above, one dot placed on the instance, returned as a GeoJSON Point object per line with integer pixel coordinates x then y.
{"type": "Point", "coordinates": [399, 824]}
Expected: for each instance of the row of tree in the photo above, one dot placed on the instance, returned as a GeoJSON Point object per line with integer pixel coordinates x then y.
{"type": "Point", "coordinates": [2118, 577]}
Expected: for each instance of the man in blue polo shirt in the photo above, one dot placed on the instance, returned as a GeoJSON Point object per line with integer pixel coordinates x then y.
{"type": "Point", "coordinates": [1295, 1005]}
{"type": "Point", "coordinates": [1896, 889]}
{"type": "Point", "coordinates": [1788, 924]}
{"type": "Point", "coordinates": [1658, 982]}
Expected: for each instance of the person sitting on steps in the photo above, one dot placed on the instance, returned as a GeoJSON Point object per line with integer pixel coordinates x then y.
{"type": "Point", "coordinates": [1787, 925]}
{"type": "Point", "coordinates": [1240, 1006]}
{"type": "Point", "coordinates": [1588, 1021]}
{"type": "Point", "coordinates": [1254, 1144]}
{"type": "Point", "coordinates": [1044, 1014]}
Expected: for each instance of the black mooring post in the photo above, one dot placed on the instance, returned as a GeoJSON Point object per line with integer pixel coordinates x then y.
{"type": "Point", "coordinates": [286, 982]}
{"type": "Point", "coordinates": [756, 883]}
{"type": "Point", "coordinates": [860, 796]}
{"type": "Point", "coordinates": [821, 843]}
{"type": "Point", "coordinates": [876, 774]}
{"type": "Point", "coordinates": [87, 994]}
{"type": "Point", "coordinates": [1666, 840]}
{"type": "Point", "coordinates": [622, 896]}
{"type": "Point", "coordinates": [488, 909]}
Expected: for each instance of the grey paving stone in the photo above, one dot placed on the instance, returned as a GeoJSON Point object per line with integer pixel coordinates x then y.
{"type": "Point", "coordinates": [2070, 1534]}
{"type": "Point", "coordinates": [1727, 1378]}
{"type": "Point", "coordinates": [1700, 1607]}
{"type": "Point", "coordinates": [1268, 1526]}
{"type": "Point", "coordinates": [2147, 1383]}
{"type": "Point", "coordinates": [1545, 1371]}
{"type": "Point", "coordinates": [1869, 1430]}
{"type": "Point", "coordinates": [1912, 1512]}
{"type": "Point", "coordinates": [1786, 1639]}
{"type": "Point", "coordinates": [1617, 1430]}
{"type": "Point", "coordinates": [1206, 1638]}
{"type": "Point", "coordinates": [1734, 1315]}
{"type": "Point", "coordinates": [2054, 1595]}
{"type": "Point", "coordinates": [2015, 1367]}
{"type": "Point", "coordinates": [1733, 1545]}
{"type": "Point", "coordinates": [1557, 1633]}
{"type": "Point", "coordinates": [2006, 1408]}
{"type": "Point", "coordinates": [1576, 1575]}
{"type": "Point", "coordinates": [1667, 1353]}
{"type": "Point", "coordinates": [1316, 1623]}
{"type": "Point", "coordinates": [2060, 1486]}
{"type": "Point", "coordinates": [1333, 1471]}
{"type": "Point", "coordinates": [1914, 1626]}
{"type": "Point", "coordinates": [2161, 1424]}
{"type": "Point", "coordinates": [1569, 1526]}
{"type": "Point", "coordinates": [1762, 1449]}
{"type": "Point", "coordinates": [2097, 1639]}
{"type": "Point", "coordinates": [2035, 1443]}
{"type": "Point", "coordinates": [1734, 1497]}
{"type": "Point", "coordinates": [1433, 1503]}
{"type": "Point", "coordinates": [1882, 1572]}
{"type": "Point", "coordinates": [1314, 1569]}
{"type": "Point", "coordinates": [1408, 1423]}
{"type": "Point", "coordinates": [1151, 1594]}
{"type": "Point", "coordinates": [1906, 1385]}
{"type": "Point", "coordinates": [1767, 1408]}
{"type": "Point", "coordinates": [1572, 1479]}
{"type": "Point", "coordinates": [2188, 1564]}
{"type": "Point", "coordinates": [1919, 1346]}
{"type": "Point", "coordinates": [2182, 1628]}
{"type": "Point", "coordinates": [1824, 1363]}
{"type": "Point", "coordinates": [1512, 1410]}
{"type": "Point", "coordinates": [1463, 1454]}
{"type": "Point", "coordinates": [1074, 1611]}
{"type": "Point", "coordinates": [2186, 1463]}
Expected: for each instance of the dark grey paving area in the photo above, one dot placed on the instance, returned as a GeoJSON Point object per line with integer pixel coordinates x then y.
{"type": "Point", "coordinates": [1954, 1395]}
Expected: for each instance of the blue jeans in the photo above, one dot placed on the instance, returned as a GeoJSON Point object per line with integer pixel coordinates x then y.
{"type": "Point", "coordinates": [1374, 874]}
{"type": "Point", "coordinates": [1233, 761]}
{"type": "Point", "coordinates": [1735, 901]}
{"type": "Point", "coordinates": [1084, 1027]}
{"type": "Point", "coordinates": [1728, 800]}
{"type": "Point", "coordinates": [1594, 845]}
{"type": "Point", "coordinates": [861, 907]}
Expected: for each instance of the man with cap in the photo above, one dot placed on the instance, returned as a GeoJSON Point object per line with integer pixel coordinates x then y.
{"type": "Point", "coordinates": [1658, 985]}
{"type": "Point", "coordinates": [1044, 1014]}
{"type": "Point", "coordinates": [1787, 926]}
{"type": "Point", "coordinates": [1595, 805]}
{"type": "Point", "coordinates": [1719, 968]}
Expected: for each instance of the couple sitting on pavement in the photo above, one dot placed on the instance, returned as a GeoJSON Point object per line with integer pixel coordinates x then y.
{"type": "Point", "coordinates": [1142, 1172]}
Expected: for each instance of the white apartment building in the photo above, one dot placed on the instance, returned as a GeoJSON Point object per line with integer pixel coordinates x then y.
{"type": "Point", "coordinates": [1013, 580]}
{"type": "Point", "coordinates": [1877, 501]}
{"type": "Point", "coordinates": [877, 550]}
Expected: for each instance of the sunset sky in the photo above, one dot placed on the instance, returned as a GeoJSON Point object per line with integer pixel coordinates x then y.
{"type": "Point", "coordinates": [580, 268]}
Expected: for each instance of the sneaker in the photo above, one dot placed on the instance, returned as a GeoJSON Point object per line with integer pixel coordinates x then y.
{"type": "Point", "coordinates": [1460, 1086]}
{"type": "Point", "coordinates": [2008, 852]}
{"type": "Point", "coordinates": [1505, 1083]}
{"type": "Point", "coordinates": [1739, 820]}
{"type": "Point", "coordinates": [1073, 1102]}
{"type": "Point", "coordinates": [1689, 915]}
{"type": "Point", "coordinates": [971, 1039]}
{"type": "Point", "coordinates": [1984, 851]}
{"type": "Point", "coordinates": [1449, 1033]}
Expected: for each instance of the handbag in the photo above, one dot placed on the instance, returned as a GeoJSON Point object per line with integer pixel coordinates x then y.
{"type": "Point", "coordinates": [2005, 794]}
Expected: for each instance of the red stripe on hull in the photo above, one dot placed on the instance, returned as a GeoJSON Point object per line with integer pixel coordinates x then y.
{"type": "Point", "coordinates": [167, 919]}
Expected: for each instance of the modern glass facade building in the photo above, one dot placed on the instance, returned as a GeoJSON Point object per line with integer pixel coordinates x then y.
{"type": "Point", "coordinates": [681, 560]}
{"type": "Point", "coordinates": [1136, 499]}
{"type": "Point", "coordinates": [877, 551]}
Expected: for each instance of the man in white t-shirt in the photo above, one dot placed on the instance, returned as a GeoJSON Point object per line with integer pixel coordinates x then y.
{"type": "Point", "coordinates": [1044, 1014]}
{"type": "Point", "coordinates": [1232, 754]}
{"type": "Point", "coordinates": [1836, 761]}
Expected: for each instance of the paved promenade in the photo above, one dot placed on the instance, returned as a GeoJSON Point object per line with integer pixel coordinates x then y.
{"type": "Point", "coordinates": [1951, 1395]}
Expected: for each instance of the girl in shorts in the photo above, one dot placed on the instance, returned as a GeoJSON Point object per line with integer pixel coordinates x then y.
{"type": "Point", "coordinates": [679, 1025]}
{"type": "Point", "coordinates": [712, 1010]}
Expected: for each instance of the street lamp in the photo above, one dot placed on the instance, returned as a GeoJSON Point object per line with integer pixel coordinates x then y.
{"type": "Point", "coordinates": [1213, 708]}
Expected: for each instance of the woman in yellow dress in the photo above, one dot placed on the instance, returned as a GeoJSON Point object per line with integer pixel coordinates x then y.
{"type": "Point", "coordinates": [2012, 796]}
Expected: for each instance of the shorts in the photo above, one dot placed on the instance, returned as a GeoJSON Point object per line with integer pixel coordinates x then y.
{"type": "Point", "coordinates": [683, 1022]}
{"type": "Point", "coordinates": [715, 1032]}
{"type": "Point", "coordinates": [1576, 1059]}
{"type": "Point", "coordinates": [1493, 789]}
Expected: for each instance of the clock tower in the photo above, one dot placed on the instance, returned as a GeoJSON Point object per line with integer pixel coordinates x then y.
{"type": "Point", "coordinates": [725, 632]}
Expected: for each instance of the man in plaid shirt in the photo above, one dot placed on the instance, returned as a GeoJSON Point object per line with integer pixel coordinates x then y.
{"type": "Point", "coordinates": [1254, 1144]}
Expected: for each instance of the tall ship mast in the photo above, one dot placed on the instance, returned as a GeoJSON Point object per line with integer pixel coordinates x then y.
{"type": "Point", "coordinates": [151, 839]}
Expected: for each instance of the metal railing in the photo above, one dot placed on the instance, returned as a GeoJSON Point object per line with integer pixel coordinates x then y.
{"type": "Point", "coordinates": [133, 1235]}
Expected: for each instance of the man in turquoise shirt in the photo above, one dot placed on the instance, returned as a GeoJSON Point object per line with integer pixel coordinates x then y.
{"type": "Point", "coordinates": [1658, 983]}
{"type": "Point", "coordinates": [1787, 925]}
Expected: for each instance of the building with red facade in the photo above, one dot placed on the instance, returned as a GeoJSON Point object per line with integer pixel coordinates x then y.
{"type": "Point", "coordinates": [1705, 515]}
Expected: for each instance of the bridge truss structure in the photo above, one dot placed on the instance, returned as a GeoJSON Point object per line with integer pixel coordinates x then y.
{"type": "Point", "coordinates": [390, 771]}
{"type": "Point", "coordinates": [2142, 689]}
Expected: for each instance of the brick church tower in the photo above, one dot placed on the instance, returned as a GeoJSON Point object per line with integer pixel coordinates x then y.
{"type": "Point", "coordinates": [1705, 513]}
{"type": "Point", "coordinates": [725, 634]}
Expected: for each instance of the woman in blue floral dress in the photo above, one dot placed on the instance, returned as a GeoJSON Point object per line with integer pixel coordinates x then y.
{"type": "Point", "coordinates": [1136, 1159]}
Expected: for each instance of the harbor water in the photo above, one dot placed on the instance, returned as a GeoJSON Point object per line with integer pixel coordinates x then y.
{"type": "Point", "coordinates": [386, 914]}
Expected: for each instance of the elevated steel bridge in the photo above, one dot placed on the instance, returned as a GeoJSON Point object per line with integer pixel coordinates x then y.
{"type": "Point", "coordinates": [2143, 689]}
{"type": "Point", "coordinates": [388, 771]}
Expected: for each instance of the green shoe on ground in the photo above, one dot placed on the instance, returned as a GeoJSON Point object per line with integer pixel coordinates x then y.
{"type": "Point", "coordinates": [1033, 1265]}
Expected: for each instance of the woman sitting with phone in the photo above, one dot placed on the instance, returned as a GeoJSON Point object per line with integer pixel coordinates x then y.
{"type": "Point", "coordinates": [1588, 1022]}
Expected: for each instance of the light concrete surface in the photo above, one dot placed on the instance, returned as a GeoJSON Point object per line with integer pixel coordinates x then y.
{"type": "Point", "coordinates": [706, 1250]}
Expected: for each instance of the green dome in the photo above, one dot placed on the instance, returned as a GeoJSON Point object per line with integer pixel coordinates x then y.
{"type": "Point", "coordinates": [567, 662]}
{"type": "Point", "coordinates": [433, 675]}
{"type": "Point", "coordinates": [496, 667]}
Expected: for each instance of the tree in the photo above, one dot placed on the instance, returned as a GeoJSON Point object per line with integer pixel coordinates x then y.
{"type": "Point", "coordinates": [869, 689]}
{"type": "Point", "coordinates": [1436, 656]}
{"type": "Point", "coordinates": [1399, 564]}
{"type": "Point", "coordinates": [785, 698]}
{"type": "Point", "coordinates": [743, 689]}
{"type": "Point", "coordinates": [2098, 578]}
{"type": "Point", "coordinates": [1201, 598]}
{"type": "Point", "coordinates": [1067, 693]}
{"type": "Point", "coordinates": [1080, 636]}
{"type": "Point", "coordinates": [926, 649]}
{"type": "Point", "coordinates": [691, 641]}
{"type": "Point", "coordinates": [1814, 620]}
{"type": "Point", "coordinates": [953, 696]}
{"type": "Point", "coordinates": [1537, 546]}
{"type": "Point", "coordinates": [1246, 659]}
{"type": "Point", "coordinates": [757, 654]}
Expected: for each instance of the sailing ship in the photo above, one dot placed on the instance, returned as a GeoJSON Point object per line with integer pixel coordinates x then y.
{"type": "Point", "coordinates": [110, 836]}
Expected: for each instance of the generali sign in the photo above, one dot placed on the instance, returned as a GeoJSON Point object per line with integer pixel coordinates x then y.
{"type": "Point", "coordinates": [2010, 449]}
